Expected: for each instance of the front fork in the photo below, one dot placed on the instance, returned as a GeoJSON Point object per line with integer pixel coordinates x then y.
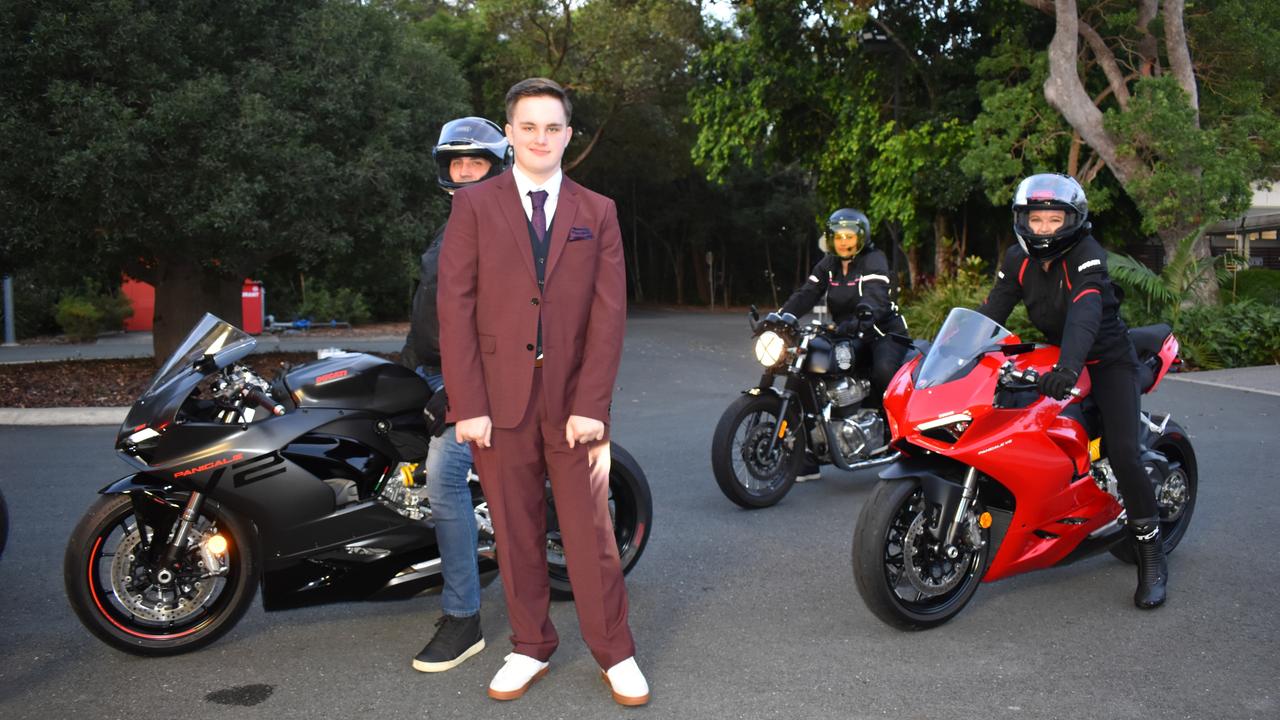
{"type": "Point", "coordinates": [189, 514]}
{"type": "Point", "coordinates": [967, 495]}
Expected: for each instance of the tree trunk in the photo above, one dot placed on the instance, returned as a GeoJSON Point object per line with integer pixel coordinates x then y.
{"type": "Point", "coordinates": [1206, 291]}
{"type": "Point", "coordinates": [912, 252]}
{"type": "Point", "coordinates": [185, 291]}
{"type": "Point", "coordinates": [943, 248]}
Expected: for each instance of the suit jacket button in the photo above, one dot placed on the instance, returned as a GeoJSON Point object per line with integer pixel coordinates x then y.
{"type": "Point", "coordinates": [533, 301]}
{"type": "Point", "coordinates": [529, 347]}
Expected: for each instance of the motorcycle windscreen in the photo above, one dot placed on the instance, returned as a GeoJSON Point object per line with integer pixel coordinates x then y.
{"type": "Point", "coordinates": [961, 342]}
{"type": "Point", "coordinates": [211, 337]}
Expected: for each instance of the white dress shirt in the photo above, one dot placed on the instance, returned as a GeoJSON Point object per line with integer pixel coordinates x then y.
{"type": "Point", "coordinates": [524, 186]}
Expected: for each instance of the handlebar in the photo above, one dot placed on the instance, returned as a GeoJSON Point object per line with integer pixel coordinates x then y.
{"type": "Point", "coordinates": [263, 399]}
{"type": "Point", "coordinates": [1029, 376]}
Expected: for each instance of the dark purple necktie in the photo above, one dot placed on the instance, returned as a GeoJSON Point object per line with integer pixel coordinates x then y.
{"type": "Point", "coordinates": [539, 220]}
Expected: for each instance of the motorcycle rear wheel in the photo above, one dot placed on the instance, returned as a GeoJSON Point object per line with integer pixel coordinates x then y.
{"type": "Point", "coordinates": [879, 558]}
{"type": "Point", "coordinates": [744, 470]}
{"type": "Point", "coordinates": [630, 507]}
{"type": "Point", "coordinates": [117, 599]}
{"type": "Point", "coordinates": [1179, 499]}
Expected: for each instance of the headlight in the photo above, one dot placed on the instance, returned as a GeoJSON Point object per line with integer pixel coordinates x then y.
{"type": "Point", "coordinates": [946, 429]}
{"type": "Point", "coordinates": [770, 347]}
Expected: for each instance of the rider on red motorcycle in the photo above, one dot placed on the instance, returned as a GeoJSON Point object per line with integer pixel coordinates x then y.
{"type": "Point", "coordinates": [1060, 272]}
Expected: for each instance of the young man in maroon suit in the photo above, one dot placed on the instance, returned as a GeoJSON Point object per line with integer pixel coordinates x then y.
{"type": "Point", "coordinates": [532, 297]}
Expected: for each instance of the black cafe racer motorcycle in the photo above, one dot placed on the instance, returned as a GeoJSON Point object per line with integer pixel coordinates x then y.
{"type": "Point", "coordinates": [763, 436]}
{"type": "Point", "coordinates": [310, 485]}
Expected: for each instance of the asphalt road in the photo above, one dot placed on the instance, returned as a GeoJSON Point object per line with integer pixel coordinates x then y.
{"type": "Point", "coordinates": [737, 614]}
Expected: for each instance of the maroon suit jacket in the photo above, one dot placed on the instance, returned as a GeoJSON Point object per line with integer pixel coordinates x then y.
{"type": "Point", "coordinates": [489, 304]}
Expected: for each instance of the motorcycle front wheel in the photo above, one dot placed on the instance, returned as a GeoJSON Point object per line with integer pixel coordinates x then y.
{"type": "Point", "coordinates": [132, 604]}
{"type": "Point", "coordinates": [631, 509]}
{"type": "Point", "coordinates": [902, 577]}
{"type": "Point", "coordinates": [745, 469]}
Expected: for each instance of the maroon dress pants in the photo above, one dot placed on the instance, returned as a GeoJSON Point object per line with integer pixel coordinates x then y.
{"type": "Point", "coordinates": [513, 473]}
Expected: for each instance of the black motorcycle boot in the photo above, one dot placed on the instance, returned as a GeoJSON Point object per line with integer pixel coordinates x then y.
{"type": "Point", "coordinates": [456, 639]}
{"type": "Point", "coordinates": [1153, 569]}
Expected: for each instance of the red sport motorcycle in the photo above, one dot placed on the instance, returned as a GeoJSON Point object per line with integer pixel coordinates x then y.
{"type": "Point", "coordinates": [996, 479]}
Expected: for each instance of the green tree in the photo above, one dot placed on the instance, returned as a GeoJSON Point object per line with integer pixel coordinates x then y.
{"type": "Point", "coordinates": [189, 142]}
{"type": "Point", "coordinates": [870, 97]}
{"type": "Point", "coordinates": [1179, 107]}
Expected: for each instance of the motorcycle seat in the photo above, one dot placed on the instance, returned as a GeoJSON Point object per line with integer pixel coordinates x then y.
{"type": "Point", "coordinates": [1148, 340]}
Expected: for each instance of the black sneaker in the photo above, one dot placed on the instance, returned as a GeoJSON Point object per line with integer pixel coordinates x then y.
{"type": "Point", "coordinates": [456, 639]}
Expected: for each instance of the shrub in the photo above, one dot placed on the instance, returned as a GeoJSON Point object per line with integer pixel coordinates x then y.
{"type": "Point", "coordinates": [323, 305]}
{"type": "Point", "coordinates": [926, 309]}
{"type": "Point", "coordinates": [1235, 335]}
{"type": "Point", "coordinates": [1258, 284]}
{"type": "Point", "coordinates": [87, 312]}
{"type": "Point", "coordinates": [78, 317]}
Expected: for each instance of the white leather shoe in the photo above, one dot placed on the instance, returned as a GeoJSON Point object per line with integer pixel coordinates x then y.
{"type": "Point", "coordinates": [516, 676]}
{"type": "Point", "coordinates": [627, 683]}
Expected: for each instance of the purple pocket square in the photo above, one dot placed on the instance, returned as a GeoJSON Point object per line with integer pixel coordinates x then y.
{"type": "Point", "coordinates": [580, 233]}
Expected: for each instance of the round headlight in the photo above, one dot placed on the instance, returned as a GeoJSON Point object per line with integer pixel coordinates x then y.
{"type": "Point", "coordinates": [769, 348]}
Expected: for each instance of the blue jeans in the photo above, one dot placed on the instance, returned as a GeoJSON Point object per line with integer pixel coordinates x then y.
{"type": "Point", "coordinates": [447, 464]}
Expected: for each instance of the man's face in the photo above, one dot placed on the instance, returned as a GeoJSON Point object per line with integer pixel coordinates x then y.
{"type": "Point", "coordinates": [468, 169]}
{"type": "Point", "coordinates": [1046, 222]}
{"type": "Point", "coordinates": [539, 132]}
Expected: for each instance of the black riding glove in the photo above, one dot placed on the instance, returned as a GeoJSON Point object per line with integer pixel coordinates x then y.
{"type": "Point", "coordinates": [849, 327]}
{"type": "Point", "coordinates": [1057, 383]}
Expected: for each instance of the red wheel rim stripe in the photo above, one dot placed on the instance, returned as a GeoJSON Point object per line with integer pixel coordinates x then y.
{"type": "Point", "coordinates": [94, 592]}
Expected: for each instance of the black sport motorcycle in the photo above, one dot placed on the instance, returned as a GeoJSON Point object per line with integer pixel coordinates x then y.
{"type": "Point", "coordinates": [763, 436]}
{"type": "Point", "coordinates": [311, 485]}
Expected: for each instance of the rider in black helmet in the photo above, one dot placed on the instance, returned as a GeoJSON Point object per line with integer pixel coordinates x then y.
{"type": "Point", "coordinates": [853, 275]}
{"type": "Point", "coordinates": [469, 150]}
{"type": "Point", "coordinates": [1060, 272]}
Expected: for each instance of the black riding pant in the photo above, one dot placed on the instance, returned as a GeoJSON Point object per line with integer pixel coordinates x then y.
{"type": "Point", "coordinates": [885, 357]}
{"type": "Point", "coordinates": [1115, 389]}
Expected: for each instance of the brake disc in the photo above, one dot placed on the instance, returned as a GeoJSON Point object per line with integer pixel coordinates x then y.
{"type": "Point", "coordinates": [928, 571]}
{"type": "Point", "coordinates": [1171, 495]}
{"type": "Point", "coordinates": [153, 602]}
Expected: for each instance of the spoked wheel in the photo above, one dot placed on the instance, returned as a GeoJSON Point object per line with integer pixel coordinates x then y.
{"type": "Point", "coordinates": [132, 602]}
{"type": "Point", "coordinates": [1175, 492]}
{"type": "Point", "coordinates": [747, 472]}
{"type": "Point", "coordinates": [630, 507]}
{"type": "Point", "coordinates": [905, 579]}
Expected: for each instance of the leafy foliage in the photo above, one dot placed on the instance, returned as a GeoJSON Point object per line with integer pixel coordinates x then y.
{"type": "Point", "coordinates": [1164, 295]}
{"type": "Point", "coordinates": [84, 314]}
{"type": "Point", "coordinates": [926, 309]}
{"type": "Point", "coordinates": [1237, 334]}
{"type": "Point", "coordinates": [1257, 284]}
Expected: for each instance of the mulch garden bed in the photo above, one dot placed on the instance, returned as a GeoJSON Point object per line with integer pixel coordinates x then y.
{"type": "Point", "coordinates": [104, 383]}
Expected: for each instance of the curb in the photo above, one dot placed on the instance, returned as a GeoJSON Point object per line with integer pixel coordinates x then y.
{"type": "Point", "coordinates": [64, 416]}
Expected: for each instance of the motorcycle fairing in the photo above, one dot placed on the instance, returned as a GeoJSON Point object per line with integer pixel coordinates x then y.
{"type": "Point", "coordinates": [1001, 444]}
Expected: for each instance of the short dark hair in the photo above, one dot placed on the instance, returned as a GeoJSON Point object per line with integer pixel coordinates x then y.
{"type": "Point", "coordinates": [533, 87]}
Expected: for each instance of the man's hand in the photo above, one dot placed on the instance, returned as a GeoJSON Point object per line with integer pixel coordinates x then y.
{"type": "Point", "coordinates": [582, 430]}
{"type": "Point", "coordinates": [477, 429]}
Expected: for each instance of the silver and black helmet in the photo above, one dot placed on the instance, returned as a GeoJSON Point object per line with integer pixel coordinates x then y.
{"type": "Point", "coordinates": [1050, 191]}
{"type": "Point", "coordinates": [470, 136]}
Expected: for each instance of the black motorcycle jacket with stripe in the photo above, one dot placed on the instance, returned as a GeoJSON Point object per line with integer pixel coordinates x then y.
{"type": "Point", "coordinates": [868, 281]}
{"type": "Point", "coordinates": [1073, 302]}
